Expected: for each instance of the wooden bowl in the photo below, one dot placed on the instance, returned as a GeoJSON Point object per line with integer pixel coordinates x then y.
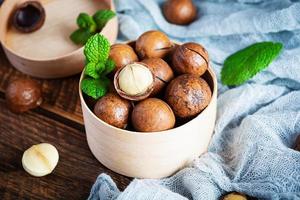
{"type": "Point", "coordinates": [155, 154]}
{"type": "Point", "coordinates": [48, 52]}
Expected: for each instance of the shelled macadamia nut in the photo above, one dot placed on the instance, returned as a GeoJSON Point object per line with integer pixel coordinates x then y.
{"type": "Point", "coordinates": [40, 160]}
{"type": "Point", "coordinates": [114, 110]}
{"type": "Point", "coordinates": [134, 81]}
{"type": "Point", "coordinates": [162, 71]}
{"type": "Point", "coordinates": [234, 196]}
{"type": "Point", "coordinates": [190, 58]}
{"type": "Point", "coordinates": [152, 115]}
{"type": "Point", "coordinates": [122, 54]}
{"type": "Point", "coordinates": [188, 95]}
{"type": "Point", "coordinates": [153, 44]}
{"type": "Point", "coordinates": [23, 94]}
{"type": "Point", "coordinates": [181, 12]}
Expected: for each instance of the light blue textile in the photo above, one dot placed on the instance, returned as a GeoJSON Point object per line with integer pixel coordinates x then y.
{"type": "Point", "coordinates": [257, 122]}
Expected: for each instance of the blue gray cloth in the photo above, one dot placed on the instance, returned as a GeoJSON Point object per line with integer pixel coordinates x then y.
{"type": "Point", "coordinates": [257, 122]}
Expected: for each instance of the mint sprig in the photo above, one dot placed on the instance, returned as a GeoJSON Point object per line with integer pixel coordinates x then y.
{"type": "Point", "coordinates": [89, 25]}
{"type": "Point", "coordinates": [98, 65]}
{"type": "Point", "coordinates": [101, 17]}
{"type": "Point", "coordinates": [244, 64]}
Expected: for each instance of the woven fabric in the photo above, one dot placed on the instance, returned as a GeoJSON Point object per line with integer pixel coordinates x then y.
{"type": "Point", "coordinates": [257, 122]}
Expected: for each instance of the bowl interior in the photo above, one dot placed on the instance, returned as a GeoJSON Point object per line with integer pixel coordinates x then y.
{"type": "Point", "coordinates": [52, 39]}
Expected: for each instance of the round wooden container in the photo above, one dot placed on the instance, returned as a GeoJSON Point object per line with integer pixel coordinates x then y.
{"type": "Point", "coordinates": [155, 154]}
{"type": "Point", "coordinates": [49, 52]}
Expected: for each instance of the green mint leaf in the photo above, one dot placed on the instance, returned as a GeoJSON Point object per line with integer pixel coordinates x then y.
{"type": "Point", "coordinates": [84, 21]}
{"type": "Point", "coordinates": [101, 17]}
{"type": "Point", "coordinates": [96, 49]}
{"type": "Point", "coordinates": [90, 70]}
{"type": "Point", "coordinates": [244, 64]}
{"type": "Point", "coordinates": [109, 66]}
{"type": "Point", "coordinates": [80, 36]}
{"type": "Point", "coordinates": [95, 88]}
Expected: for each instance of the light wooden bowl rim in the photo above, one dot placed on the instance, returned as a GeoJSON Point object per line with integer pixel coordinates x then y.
{"type": "Point", "coordinates": [111, 7]}
{"type": "Point", "coordinates": [166, 132]}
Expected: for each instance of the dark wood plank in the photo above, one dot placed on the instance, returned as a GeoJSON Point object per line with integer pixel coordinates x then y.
{"type": "Point", "coordinates": [60, 95]}
{"type": "Point", "coordinates": [75, 173]}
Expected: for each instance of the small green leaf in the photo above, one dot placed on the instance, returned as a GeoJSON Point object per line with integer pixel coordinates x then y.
{"type": "Point", "coordinates": [80, 36]}
{"type": "Point", "coordinates": [96, 49]}
{"type": "Point", "coordinates": [84, 21]}
{"type": "Point", "coordinates": [244, 64]}
{"type": "Point", "coordinates": [109, 66]}
{"type": "Point", "coordinates": [90, 70]}
{"type": "Point", "coordinates": [101, 17]}
{"type": "Point", "coordinates": [95, 88]}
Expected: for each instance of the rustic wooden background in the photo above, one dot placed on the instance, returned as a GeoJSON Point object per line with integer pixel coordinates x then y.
{"type": "Point", "coordinates": [59, 122]}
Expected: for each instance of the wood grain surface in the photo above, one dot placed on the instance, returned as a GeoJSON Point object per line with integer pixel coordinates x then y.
{"type": "Point", "coordinates": [59, 122]}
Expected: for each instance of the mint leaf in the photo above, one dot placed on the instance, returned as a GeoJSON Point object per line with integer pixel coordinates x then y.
{"type": "Point", "coordinates": [109, 66]}
{"type": "Point", "coordinates": [84, 21]}
{"type": "Point", "coordinates": [80, 36]}
{"type": "Point", "coordinates": [95, 88]}
{"type": "Point", "coordinates": [244, 64]}
{"type": "Point", "coordinates": [96, 49]}
{"type": "Point", "coordinates": [101, 17]}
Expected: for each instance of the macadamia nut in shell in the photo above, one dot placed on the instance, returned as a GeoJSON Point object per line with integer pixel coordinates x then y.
{"type": "Point", "coordinates": [152, 115]}
{"type": "Point", "coordinates": [188, 95]}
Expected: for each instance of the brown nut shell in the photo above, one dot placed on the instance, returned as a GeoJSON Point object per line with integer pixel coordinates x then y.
{"type": "Point", "coordinates": [297, 144]}
{"type": "Point", "coordinates": [29, 16]}
{"type": "Point", "coordinates": [138, 97]}
{"type": "Point", "coordinates": [153, 44]}
{"type": "Point", "coordinates": [151, 115]}
{"type": "Point", "coordinates": [188, 95]}
{"type": "Point", "coordinates": [190, 58]}
{"type": "Point", "coordinates": [162, 71]}
{"type": "Point", "coordinates": [234, 196]}
{"type": "Point", "coordinates": [122, 54]}
{"type": "Point", "coordinates": [114, 110]}
{"type": "Point", "coordinates": [181, 12]}
{"type": "Point", "coordinates": [23, 94]}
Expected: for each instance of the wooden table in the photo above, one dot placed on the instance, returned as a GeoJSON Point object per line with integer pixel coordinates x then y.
{"type": "Point", "coordinates": [59, 122]}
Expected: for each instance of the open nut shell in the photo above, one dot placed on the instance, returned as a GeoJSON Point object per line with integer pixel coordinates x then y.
{"type": "Point", "coordinates": [137, 97]}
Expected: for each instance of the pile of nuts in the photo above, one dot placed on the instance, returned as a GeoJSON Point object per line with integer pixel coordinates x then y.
{"type": "Point", "coordinates": [156, 84]}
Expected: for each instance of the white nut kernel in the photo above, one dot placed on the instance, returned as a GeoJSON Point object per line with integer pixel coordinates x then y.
{"type": "Point", "coordinates": [135, 79]}
{"type": "Point", "coordinates": [40, 160]}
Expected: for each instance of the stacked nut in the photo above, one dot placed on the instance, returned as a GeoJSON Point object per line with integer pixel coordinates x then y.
{"type": "Point", "coordinates": [156, 84]}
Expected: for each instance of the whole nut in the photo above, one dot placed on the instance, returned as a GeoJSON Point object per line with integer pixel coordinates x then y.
{"type": "Point", "coordinates": [188, 95]}
{"type": "Point", "coordinates": [122, 54]}
{"type": "Point", "coordinates": [40, 160]}
{"type": "Point", "coordinates": [153, 44]}
{"type": "Point", "coordinates": [29, 16]}
{"type": "Point", "coordinates": [190, 58]}
{"type": "Point", "coordinates": [23, 94]}
{"type": "Point", "coordinates": [180, 12]}
{"type": "Point", "coordinates": [162, 72]}
{"type": "Point", "coordinates": [113, 110]}
{"type": "Point", "coordinates": [152, 115]}
{"type": "Point", "coordinates": [134, 81]}
{"type": "Point", "coordinates": [234, 196]}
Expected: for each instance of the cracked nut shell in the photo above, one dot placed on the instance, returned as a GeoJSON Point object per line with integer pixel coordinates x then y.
{"type": "Point", "coordinates": [153, 44]}
{"type": "Point", "coordinates": [122, 54]}
{"type": "Point", "coordinates": [114, 110]}
{"type": "Point", "coordinates": [297, 144]}
{"type": "Point", "coordinates": [188, 95]}
{"type": "Point", "coordinates": [162, 72]}
{"type": "Point", "coordinates": [132, 80]}
{"type": "Point", "coordinates": [151, 115]}
{"type": "Point", "coordinates": [23, 94]}
{"type": "Point", "coordinates": [29, 16]}
{"type": "Point", "coordinates": [181, 12]}
{"type": "Point", "coordinates": [190, 58]}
